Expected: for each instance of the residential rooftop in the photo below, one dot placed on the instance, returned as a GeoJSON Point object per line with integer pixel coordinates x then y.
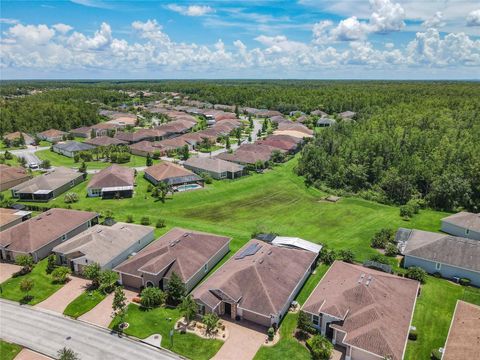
{"type": "Point", "coordinates": [113, 176]}
{"type": "Point", "coordinates": [49, 181]}
{"type": "Point", "coordinates": [465, 220]}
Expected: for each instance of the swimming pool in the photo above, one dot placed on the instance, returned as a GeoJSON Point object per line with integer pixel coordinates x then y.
{"type": "Point", "coordinates": [188, 187]}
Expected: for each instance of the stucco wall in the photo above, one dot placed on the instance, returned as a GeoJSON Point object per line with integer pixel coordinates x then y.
{"type": "Point", "coordinates": [459, 231]}
{"type": "Point", "coordinates": [358, 354]}
{"type": "Point", "coordinates": [131, 281]}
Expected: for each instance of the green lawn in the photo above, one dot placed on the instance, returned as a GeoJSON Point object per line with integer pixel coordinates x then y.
{"type": "Point", "coordinates": [210, 149]}
{"type": "Point", "coordinates": [160, 321]}
{"type": "Point", "coordinates": [60, 160]}
{"type": "Point", "coordinates": [433, 315]}
{"type": "Point", "coordinates": [43, 285]}
{"type": "Point", "coordinates": [8, 351]}
{"type": "Point", "coordinates": [84, 303]}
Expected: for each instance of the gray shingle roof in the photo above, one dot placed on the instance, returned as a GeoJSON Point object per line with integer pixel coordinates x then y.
{"type": "Point", "coordinates": [73, 146]}
{"type": "Point", "coordinates": [465, 220]}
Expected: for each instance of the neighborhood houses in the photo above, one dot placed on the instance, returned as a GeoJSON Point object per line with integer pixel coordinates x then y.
{"type": "Point", "coordinates": [114, 181]}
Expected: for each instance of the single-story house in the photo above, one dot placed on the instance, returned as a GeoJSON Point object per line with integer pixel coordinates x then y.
{"type": "Point", "coordinates": [318, 113]}
{"type": "Point", "coordinates": [257, 284]}
{"type": "Point", "coordinates": [105, 141]}
{"type": "Point", "coordinates": [291, 126]}
{"type": "Point", "coordinates": [216, 168]}
{"type": "Point", "coordinates": [463, 341]}
{"type": "Point", "coordinates": [82, 132]}
{"type": "Point", "coordinates": [172, 144]}
{"type": "Point", "coordinates": [189, 254]}
{"type": "Point", "coordinates": [12, 217]}
{"type": "Point", "coordinates": [104, 245]}
{"type": "Point", "coordinates": [144, 148]}
{"type": "Point", "coordinates": [292, 133]}
{"type": "Point", "coordinates": [450, 256]}
{"type": "Point", "coordinates": [49, 185]}
{"type": "Point", "coordinates": [264, 113]}
{"type": "Point", "coordinates": [39, 235]}
{"type": "Point", "coordinates": [16, 136]}
{"type": "Point", "coordinates": [11, 176]}
{"type": "Point", "coordinates": [326, 122]}
{"type": "Point", "coordinates": [368, 312]}
{"type": "Point", "coordinates": [463, 224]}
{"type": "Point", "coordinates": [123, 119]}
{"type": "Point", "coordinates": [195, 138]}
{"type": "Point", "coordinates": [141, 135]}
{"type": "Point", "coordinates": [52, 135]}
{"type": "Point", "coordinates": [297, 243]}
{"type": "Point", "coordinates": [174, 175]}
{"type": "Point", "coordinates": [281, 143]}
{"type": "Point", "coordinates": [347, 115]}
{"type": "Point", "coordinates": [250, 154]}
{"type": "Point", "coordinates": [104, 129]}
{"type": "Point", "coordinates": [69, 148]}
{"type": "Point", "coordinates": [112, 182]}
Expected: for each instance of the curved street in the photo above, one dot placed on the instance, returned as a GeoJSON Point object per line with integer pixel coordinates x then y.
{"type": "Point", "coordinates": [46, 333]}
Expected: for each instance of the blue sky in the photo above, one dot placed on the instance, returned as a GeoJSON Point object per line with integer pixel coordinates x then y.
{"type": "Point", "coordinates": [366, 39]}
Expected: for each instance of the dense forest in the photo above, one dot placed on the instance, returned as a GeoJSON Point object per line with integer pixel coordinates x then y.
{"type": "Point", "coordinates": [411, 140]}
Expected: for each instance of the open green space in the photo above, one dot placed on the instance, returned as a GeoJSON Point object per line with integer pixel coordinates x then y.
{"type": "Point", "coordinates": [84, 303]}
{"type": "Point", "coordinates": [43, 285]}
{"type": "Point", "coordinates": [433, 315]}
{"type": "Point", "coordinates": [61, 160]}
{"type": "Point", "coordinates": [9, 351]}
{"type": "Point", "coordinates": [143, 323]}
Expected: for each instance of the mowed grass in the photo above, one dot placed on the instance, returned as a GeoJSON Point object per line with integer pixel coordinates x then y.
{"type": "Point", "coordinates": [84, 303]}
{"type": "Point", "coordinates": [43, 285]}
{"type": "Point", "coordinates": [143, 323]}
{"type": "Point", "coordinates": [61, 160]}
{"type": "Point", "coordinates": [433, 315]}
{"type": "Point", "coordinates": [9, 351]}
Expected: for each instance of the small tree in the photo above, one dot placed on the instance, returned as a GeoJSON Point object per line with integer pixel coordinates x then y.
{"type": "Point", "coordinates": [92, 273]}
{"type": "Point", "coordinates": [145, 220]}
{"type": "Point", "coordinates": [51, 262]}
{"type": "Point", "coordinates": [175, 289]}
{"type": "Point", "coordinates": [149, 161]}
{"type": "Point", "coordinates": [70, 198]}
{"type": "Point", "coordinates": [67, 354]}
{"type": "Point", "coordinates": [119, 305]}
{"type": "Point", "coordinates": [60, 274]}
{"type": "Point", "coordinates": [327, 256]}
{"type": "Point", "coordinates": [162, 190]}
{"type": "Point", "coordinates": [188, 308]}
{"type": "Point", "coordinates": [26, 285]}
{"type": "Point", "coordinates": [46, 164]}
{"type": "Point", "coordinates": [417, 273]}
{"type": "Point", "coordinates": [407, 211]}
{"type": "Point", "coordinates": [382, 238]}
{"type": "Point", "coordinates": [227, 143]}
{"type": "Point", "coordinates": [347, 256]}
{"type": "Point", "coordinates": [152, 297]}
{"type": "Point", "coordinates": [211, 322]}
{"type": "Point", "coordinates": [303, 323]}
{"type": "Point", "coordinates": [160, 223]}
{"type": "Point", "coordinates": [391, 250]}
{"type": "Point", "coordinates": [129, 219]}
{"type": "Point", "coordinates": [83, 167]}
{"type": "Point", "coordinates": [320, 347]}
{"type": "Point", "coordinates": [108, 279]}
{"type": "Point", "coordinates": [26, 262]}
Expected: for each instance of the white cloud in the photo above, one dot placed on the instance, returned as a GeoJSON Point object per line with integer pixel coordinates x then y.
{"type": "Point", "coordinates": [101, 39]}
{"type": "Point", "coordinates": [31, 34]}
{"type": "Point", "coordinates": [191, 10]}
{"type": "Point", "coordinates": [386, 16]}
{"type": "Point", "coordinates": [62, 28]}
{"type": "Point", "coordinates": [473, 18]}
{"type": "Point", "coordinates": [350, 29]}
{"type": "Point", "coordinates": [436, 21]}
{"type": "Point", "coordinates": [8, 21]}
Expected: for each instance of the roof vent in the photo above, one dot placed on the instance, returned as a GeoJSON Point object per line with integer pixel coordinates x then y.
{"type": "Point", "coordinates": [185, 235]}
{"type": "Point", "coordinates": [260, 261]}
{"type": "Point", "coordinates": [269, 252]}
{"type": "Point", "coordinates": [360, 279]}
{"type": "Point", "coordinates": [369, 280]}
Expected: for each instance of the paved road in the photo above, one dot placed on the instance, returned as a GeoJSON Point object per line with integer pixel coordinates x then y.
{"type": "Point", "coordinates": [29, 153]}
{"type": "Point", "coordinates": [46, 332]}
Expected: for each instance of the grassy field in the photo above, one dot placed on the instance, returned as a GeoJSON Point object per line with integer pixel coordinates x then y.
{"type": "Point", "coordinates": [60, 160]}
{"type": "Point", "coordinates": [433, 314]}
{"type": "Point", "coordinates": [143, 323]}
{"type": "Point", "coordinates": [84, 303]}
{"type": "Point", "coordinates": [8, 351]}
{"type": "Point", "coordinates": [43, 285]}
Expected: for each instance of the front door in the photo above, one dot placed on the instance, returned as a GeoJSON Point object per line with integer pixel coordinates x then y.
{"type": "Point", "coordinates": [228, 309]}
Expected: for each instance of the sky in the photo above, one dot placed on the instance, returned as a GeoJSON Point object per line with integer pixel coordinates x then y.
{"type": "Point", "coordinates": [268, 39]}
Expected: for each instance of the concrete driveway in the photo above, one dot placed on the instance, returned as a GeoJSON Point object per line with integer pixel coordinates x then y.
{"type": "Point", "coordinates": [47, 332]}
{"type": "Point", "coordinates": [243, 342]}
{"type": "Point", "coordinates": [101, 315]}
{"type": "Point", "coordinates": [7, 270]}
{"type": "Point", "coordinates": [27, 354]}
{"type": "Point", "coordinates": [69, 292]}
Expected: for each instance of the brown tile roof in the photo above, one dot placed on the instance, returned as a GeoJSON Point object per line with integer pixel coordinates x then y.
{"type": "Point", "coordinates": [261, 282]}
{"type": "Point", "coordinates": [49, 181]}
{"type": "Point", "coordinates": [12, 173]}
{"type": "Point", "coordinates": [183, 251]}
{"type": "Point", "coordinates": [291, 126]}
{"type": "Point", "coordinates": [112, 176]}
{"type": "Point", "coordinates": [52, 133]}
{"type": "Point", "coordinates": [166, 170]}
{"type": "Point", "coordinates": [278, 143]}
{"type": "Point", "coordinates": [464, 219]}
{"type": "Point", "coordinates": [445, 249]}
{"type": "Point", "coordinates": [145, 146]}
{"type": "Point", "coordinates": [105, 141]}
{"type": "Point", "coordinates": [140, 135]}
{"type": "Point", "coordinates": [214, 165]}
{"type": "Point", "coordinates": [9, 215]}
{"type": "Point", "coordinates": [171, 144]}
{"type": "Point", "coordinates": [376, 308]}
{"type": "Point", "coordinates": [293, 133]}
{"type": "Point", "coordinates": [463, 340]}
{"type": "Point", "coordinates": [39, 231]}
{"type": "Point", "coordinates": [16, 135]}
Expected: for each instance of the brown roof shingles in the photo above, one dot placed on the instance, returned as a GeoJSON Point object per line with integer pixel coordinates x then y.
{"type": "Point", "coordinates": [166, 170]}
{"type": "Point", "coordinates": [375, 307]}
{"type": "Point", "coordinates": [12, 173]}
{"type": "Point", "coordinates": [112, 176]}
{"type": "Point", "coordinates": [105, 141]}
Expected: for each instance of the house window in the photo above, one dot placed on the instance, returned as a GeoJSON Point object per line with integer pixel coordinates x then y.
{"type": "Point", "coordinates": [72, 183]}
{"type": "Point", "coordinates": [467, 231]}
{"type": "Point", "coordinates": [438, 266]}
{"type": "Point", "coordinates": [201, 309]}
{"type": "Point", "coordinates": [64, 237]}
{"type": "Point", "coordinates": [205, 267]}
{"type": "Point", "coordinates": [315, 320]}
{"type": "Point", "coordinates": [89, 224]}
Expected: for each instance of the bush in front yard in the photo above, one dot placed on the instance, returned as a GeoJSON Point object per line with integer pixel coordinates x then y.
{"type": "Point", "coordinates": [320, 347]}
{"type": "Point", "coordinates": [464, 281]}
{"type": "Point", "coordinates": [391, 250]}
{"type": "Point", "coordinates": [270, 333]}
{"type": "Point", "coordinates": [145, 220]}
{"type": "Point", "coordinates": [152, 297]}
{"type": "Point", "coordinates": [412, 335]}
{"type": "Point", "coordinates": [60, 274]}
{"type": "Point", "coordinates": [436, 355]}
{"type": "Point", "coordinates": [160, 223]}
{"type": "Point", "coordinates": [417, 273]}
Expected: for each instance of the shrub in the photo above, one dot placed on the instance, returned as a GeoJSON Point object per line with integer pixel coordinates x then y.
{"type": "Point", "coordinates": [382, 238]}
{"type": "Point", "coordinates": [211, 322]}
{"type": "Point", "coordinates": [129, 219]}
{"type": "Point", "coordinates": [417, 273]}
{"type": "Point", "coordinates": [150, 188]}
{"type": "Point", "coordinates": [175, 289]}
{"type": "Point", "coordinates": [46, 164]}
{"type": "Point", "coordinates": [207, 178]}
{"type": "Point", "coordinates": [379, 258]}
{"type": "Point", "coordinates": [92, 272]}
{"type": "Point", "coordinates": [152, 297]}
{"type": "Point", "coordinates": [160, 223]}
{"type": "Point", "coordinates": [415, 205]}
{"type": "Point", "coordinates": [464, 281]}
{"type": "Point", "coordinates": [347, 256]}
{"type": "Point", "coordinates": [26, 262]}
{"type": "Point", "coordinates": [412, 335]}
{"type": "Point", "coordinates": [320, 347]}
{"type": "Point", "coordinates": [107, 280]}
{"type": "Point", "coordinates": [270, 333]}
{"type": "Point", "coordinates": [145, 220]}
{"type": "Point", "coordinates": [391, 250]}
{"type": "Point", "coordinates": [436, 354]}
{"type": "Point", "coordinates": [156, 155]}
{"type": "Point", "coordinates": [70, 197]}
{"type": "Point", "coordinates": [50, 263]}
{"type": "Point", "coordinates": [407, 211]}
{"type": "Point", "coordinates": [60, 274]}
{"type": "Point", "coordinates": [327, 256]}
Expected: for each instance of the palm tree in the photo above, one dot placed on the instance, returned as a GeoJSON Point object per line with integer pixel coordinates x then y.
{"type": "Point", "coordinates": [188, 308]}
